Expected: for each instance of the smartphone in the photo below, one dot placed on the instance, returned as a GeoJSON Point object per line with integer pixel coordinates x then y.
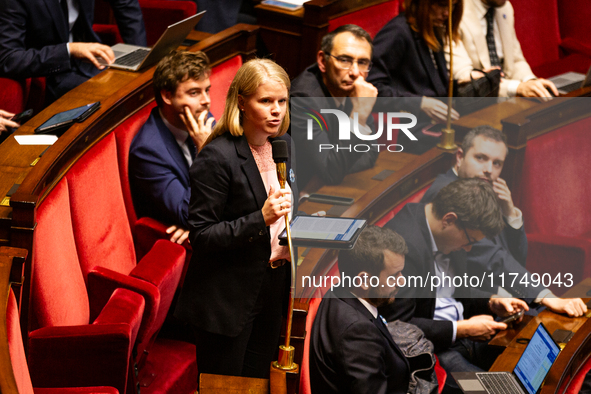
{"type": "Point", "coordinates": [64, 120]}
{"type": "Point", "coordinates": [23, 116]}
{"type": "Point", "coordinates": [513, 317]}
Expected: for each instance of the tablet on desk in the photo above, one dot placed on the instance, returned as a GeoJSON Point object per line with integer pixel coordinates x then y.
{"type": "Point", "coordinates": [65, 119]}
{"type": "Point", "coordinates": [324, 232]}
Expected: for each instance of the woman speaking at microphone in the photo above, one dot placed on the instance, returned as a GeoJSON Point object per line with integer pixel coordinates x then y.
{"type": "Point", "coordinates": [238, 279]}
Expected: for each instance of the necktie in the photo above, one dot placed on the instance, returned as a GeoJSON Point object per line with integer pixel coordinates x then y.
{"type": "Point", "coordinates": [490, 38]}
{"type": "Point", "coordinates": [192, 148]}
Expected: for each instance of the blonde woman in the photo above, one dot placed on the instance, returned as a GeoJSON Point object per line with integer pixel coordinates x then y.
{"type": "Point", "coordinates": [238, 279]}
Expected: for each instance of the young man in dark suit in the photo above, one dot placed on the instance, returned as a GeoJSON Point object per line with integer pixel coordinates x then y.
{"type": "Point", "coordinates": [336, 81]}
{"type": "Point", "coordinates": [482, 155]}
{"type": "Point", "coordinates": [54, 39]}
{"type": "Point", "coordinates": [164, 149]}
{"type": "Point", "coordinates": [455, 316]}
{"type": "Point", "coordinates": [351, 350]}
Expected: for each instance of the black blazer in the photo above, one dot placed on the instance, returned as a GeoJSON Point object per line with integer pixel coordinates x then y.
{"type": "Point", "coordinates": [505, 253]}
{"type": "Point", "coordinates": [417, 305]}
{"type": "Point", "coordinates": [331, 166]}
{"type": "Point", "coordinates": [231, 243]}
{"type": "Point", "coordinates": [34, 33]}
{"type": "Point", "coordinates": [403, 67]}
{"type": "Point", "coordinates": [351, 352]}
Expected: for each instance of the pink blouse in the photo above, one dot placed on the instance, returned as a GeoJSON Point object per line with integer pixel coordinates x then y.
{"type": "Point", "coordinates": [263, 156]}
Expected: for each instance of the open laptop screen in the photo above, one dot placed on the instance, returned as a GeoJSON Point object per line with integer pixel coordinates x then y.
{"type": "Point", "coordinates": [536, 360]}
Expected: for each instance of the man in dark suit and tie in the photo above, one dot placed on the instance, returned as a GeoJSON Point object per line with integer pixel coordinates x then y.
{"type": "Point", "coordinates": [482, 155]}
{"type": "Point", "coordinates": [337, 81]}
{"type": "Point", "coordinates": [54, 39]}
{"type": "Point", "coordinates": [351, 350]}
{"type": "Point", "coordinates": [455, 315]}
{"type": "Point", "coordinates": [163, 150]}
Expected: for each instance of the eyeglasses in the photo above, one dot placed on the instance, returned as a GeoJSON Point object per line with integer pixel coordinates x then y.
{"type": "Point", "coordinates": [471, 241]}
{"type": "Point", "coordinates": [346, 62]}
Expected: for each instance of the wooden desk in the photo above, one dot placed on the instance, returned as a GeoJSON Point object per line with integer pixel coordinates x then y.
{"type": "Point", "coordinates": [570, 359]}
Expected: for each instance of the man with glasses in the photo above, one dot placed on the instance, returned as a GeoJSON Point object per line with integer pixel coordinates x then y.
{"type": "Point", "coordinates": [448, 305]}
{"type": "Point", "coordinates": [336, 81]}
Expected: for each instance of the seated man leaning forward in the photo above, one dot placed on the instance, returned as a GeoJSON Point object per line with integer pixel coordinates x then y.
{"type": "Point", "coordinates": [163, 150]}
{"type": "Point", "coordinates": [335, 82]}
{"type": "Point", "coordinates": [351, 350]}
{"type": "Point", "coordinates": [482, 155]}
{"type": "Point", "coordinates": [438, 297]}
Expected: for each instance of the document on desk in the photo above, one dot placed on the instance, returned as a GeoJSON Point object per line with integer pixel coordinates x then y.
{"type": "Point", "coordinates": [37, 139]}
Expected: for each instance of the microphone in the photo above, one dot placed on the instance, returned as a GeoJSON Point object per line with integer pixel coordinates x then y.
{"type": "Point", "coordinates": [286, 351]}
{"type": "Point", "coordinates": [280, 158]}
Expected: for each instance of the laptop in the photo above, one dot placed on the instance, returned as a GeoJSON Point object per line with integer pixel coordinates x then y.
{"type": "Point", "coordinates": [567, 82]}
{"type": "Point", "coordinates": [133, 57]}
{"type": "Point", "coordinates": [528, 375]}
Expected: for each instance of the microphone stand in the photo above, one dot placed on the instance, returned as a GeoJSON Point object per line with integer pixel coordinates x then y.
{"type": "Point", "coordinates": [286, 351]}
{"type": "Point", "coordinates": [448, 134]}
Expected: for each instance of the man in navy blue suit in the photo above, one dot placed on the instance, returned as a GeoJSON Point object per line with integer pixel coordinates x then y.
{"type": "Point", "coordinates": [163, 150]}
{"type": "Point", "coordinates": [54, 39]}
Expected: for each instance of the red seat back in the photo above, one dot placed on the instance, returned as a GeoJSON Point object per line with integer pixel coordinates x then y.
{"type": "Point", "coordinates": [371, 19]}
{"type": "Point", "coordinates": [574, 17]}
{"type": "Point", "coordinates": [555, 194]}
{"type": "Point", "coordinates": [13, 95]}
{"type": "Point", "coordinates": [58, 293]}
{"type": "Point", "coordinates": [221, 78]}
{"type": "Point", "coordinates": [414, 198]}
{"type": "Point", "coordinates": [101, 229]}
{"type": "Point", "coordinates": [124, 134]}
{"type": "Point", "coordinates": [16, 348]}
{"type": "Point", "coordinates": [536, 26]}
{"type": "Point", "coordinates": [305, 370]}
{"type": "Point", "coordinates": [159, 14]}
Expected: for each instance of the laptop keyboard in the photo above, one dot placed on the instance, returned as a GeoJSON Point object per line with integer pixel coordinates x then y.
{"type": "Point", "coordinates": [498, 383]}
{"type": "Point", "coordinates": [571, 86]}
{"type": "Point", "coordinates": [132, 58]}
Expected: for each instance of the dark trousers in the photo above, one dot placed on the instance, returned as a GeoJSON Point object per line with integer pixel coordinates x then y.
{"type": "Point", "coordinates": [465, 356]}
{"type": "Point", "coordinates": [250, 353]}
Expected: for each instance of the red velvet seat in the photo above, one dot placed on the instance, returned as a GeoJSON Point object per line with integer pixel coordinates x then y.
{"type": "Point", "coordinates": [105, 243]}
{"type": "Point", "coordinates": [537, 28]}
{"type": "Point", "coordinates": [18, 96]}
{"type": "Point", "coordinates": [371, 19]}
{"type": "Point", "coordinates": [554, 197]}
{"type": "Point", "coordinates": [13, 95]}
{"type": "Point", "coordinates": [68, 347]}
{"type": "Point", "coordinates": [575, 30]}
{"type": "Point", "coordinates": [19, 362]}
